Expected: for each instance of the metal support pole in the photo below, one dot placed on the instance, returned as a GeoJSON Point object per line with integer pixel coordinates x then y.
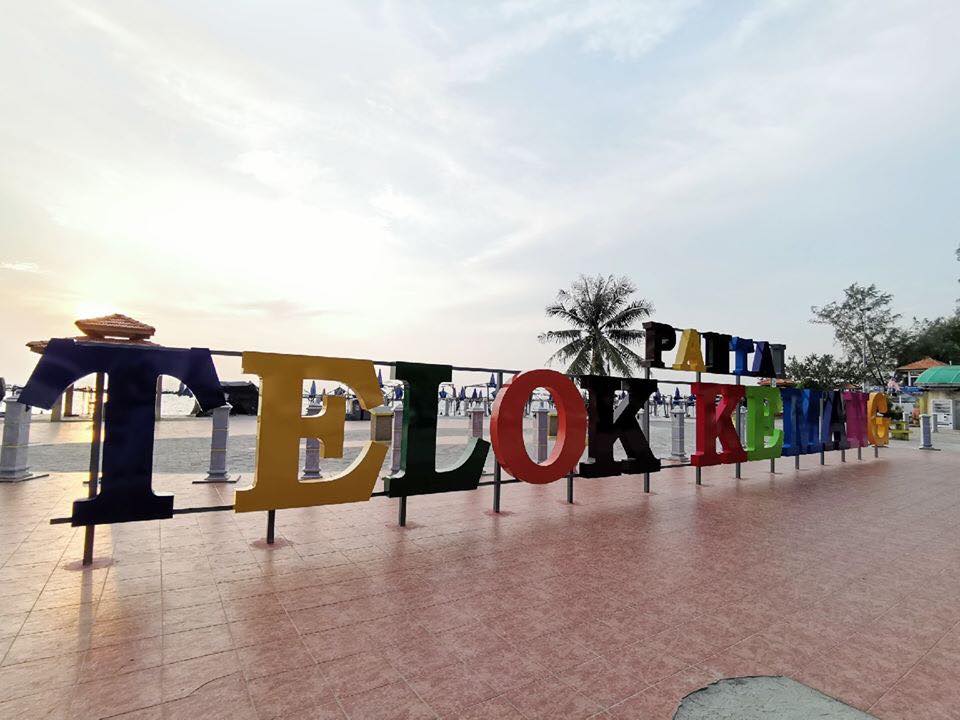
{"type": "Point", "coordinates": [570, 487]}
{"type": "Point", "coordinates": [843, 455]}
{"type": "Point", "coordinates": [271, 526]}
{"type": "Point", "coordinates": [773, 465]}
{"type": "Point", "coordinates": [796, 461]}
{"type": "Point", "coordinates": [736, 469]}
{"type": "Point", "coordinates": [646, 429]}
{"type": "Point", "coordinates": [402, 519]}
{"type": "Point", "coordinates": [823, 454]}
{"type": "Point", "coordinates": [698, 470]}
{"type": "Point", "coordinates": [876, 451]}
{"type": "Point", "coordinates": [496, 463]}
{"type": "Point", "coordinates": [93, 480]}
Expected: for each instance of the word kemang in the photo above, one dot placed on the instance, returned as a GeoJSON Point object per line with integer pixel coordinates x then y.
{"type": "Point", "coordinates": [812, 420]}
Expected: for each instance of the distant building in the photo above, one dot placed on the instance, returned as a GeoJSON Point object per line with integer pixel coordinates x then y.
{"type": "Point", "coordinates": [941, 385]}
{"type": "Point", "coordinates": [913, 370]}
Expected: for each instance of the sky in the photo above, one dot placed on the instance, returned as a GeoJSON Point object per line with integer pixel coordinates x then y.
{"type": "Point", "coordinates": [416, 180]}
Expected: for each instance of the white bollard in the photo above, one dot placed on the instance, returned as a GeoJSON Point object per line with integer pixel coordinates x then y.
{"type": "Point", "coordinates": [219, 434]}
{"type": "Point", "coordinates": [16, 440]}
{"type": "Point", "coordinates": [926, 433]}
{"type": "Point", "coordinates": [542, 425]}
{"type": "Point", "coordinates": [476, 422]}
{"type": "Point", "coordinates": [677, 430]}
{"type": "Point", "coordinates": [397, 440]}
{"type": "Point", "coordinates": [311, 460]}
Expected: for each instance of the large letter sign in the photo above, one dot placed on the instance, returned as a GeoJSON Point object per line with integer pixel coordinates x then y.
{"type": "Point", "coordinates": [810, 422]}
{"type": "Point", "coordinates": [878, 425]}
{"type": "Point", "coordinates": [125, 492]}
{"type": "Point", "coordinates": [418, 473]}
{"type": "Point", "coordinates": [281, 425]}
{"type": "Point", "coordinates": [792, 399]}
{"type": "Point", "coordinates": [763, 406]}
{"type": "Point", "coordinates": [718, 352]}
{"type": "Point", "coordinates": [714, 423]}
{"type": "Point", "coordinates": [659, 338]}
{"type": "Point", "coordinates": [506, 426]}
{"type": "Point", "coordinates": [688, 354]}
{"type": "Point", "coordinates": [605, 428]}
{"type": "Point", "coordinates": [833, 425]}
{"type": "Point", "coordinates": [855, 406]}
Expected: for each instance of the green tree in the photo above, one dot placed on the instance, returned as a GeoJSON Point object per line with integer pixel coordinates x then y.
{"type": "Point", "coordinates": [939, 339]}
{"type": "Point", "coordinates": [865, 327]}
{"type": "Point", "coordinates": [824, 372]}
{"type": "Point", "coordinates": [602, 314]}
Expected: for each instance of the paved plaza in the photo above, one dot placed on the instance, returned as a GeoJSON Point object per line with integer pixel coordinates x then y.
{"type": "Point", "coordinates": [844, 577]}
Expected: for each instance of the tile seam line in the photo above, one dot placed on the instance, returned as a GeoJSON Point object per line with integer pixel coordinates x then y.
{"type": "Point", "coordinates": [911, 668]}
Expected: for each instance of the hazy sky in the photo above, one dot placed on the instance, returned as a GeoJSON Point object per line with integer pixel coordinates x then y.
{"type": "Point", "coordinates": [416, 180]}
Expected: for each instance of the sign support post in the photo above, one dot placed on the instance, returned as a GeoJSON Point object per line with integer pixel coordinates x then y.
{"type": "Point", "coordinates": [94, 477]}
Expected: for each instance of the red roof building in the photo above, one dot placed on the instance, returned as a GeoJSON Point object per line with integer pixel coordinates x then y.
{"type": "Point", "coordinates": [914, 369]}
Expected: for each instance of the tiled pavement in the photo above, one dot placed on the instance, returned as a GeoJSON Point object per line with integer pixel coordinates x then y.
{"type": "Point", "coordinates": [845, 577]}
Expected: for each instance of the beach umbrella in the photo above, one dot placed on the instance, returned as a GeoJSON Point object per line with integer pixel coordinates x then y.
{"type": "Point", "coordinates": [398, 392]}
{"type": "Point", "coordinates": [493, 381]}
{"type": "Point", "coordinates": [656, 396]}
{"type": "Point", "coordinates": [380, 376]}
{"type": "Point", "coordinates": [463, 394]}
{"type": "Point", "coordinates": [443, 393]}
{"type": "Point", "coordinates": [676, 395]}
{"type": "Point", "coordinates": [313, 390]}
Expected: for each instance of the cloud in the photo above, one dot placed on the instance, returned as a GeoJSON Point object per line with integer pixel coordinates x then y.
{"type": "Point", "coordinates": [274, 309]}
{"type": "Point", "coordinates": [23, 267]}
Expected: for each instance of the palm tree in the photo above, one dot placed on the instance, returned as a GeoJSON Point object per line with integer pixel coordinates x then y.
{"type": "Point", "coordinates": [602, 314]}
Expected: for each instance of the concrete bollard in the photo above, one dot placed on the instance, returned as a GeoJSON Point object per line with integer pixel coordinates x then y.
{"type": "Point", "coordinates": [677, 430]}
{"type": "Point", "coordinates": [542, 425]}
{"type": "Point", "coordinates": [396, 446]}
{"type": "Point", "coordinates": [553, 423]}
{"type": "Point", "coordinates": [219, 434]}
{"type": "Point", "coordinates": [381, 424]}
{"type": "Point", "coordinates": [16, 440]}
{"type": "Point", "coordinates": [56, 412]}
{"type": "Point", "coordinates": [68, 402]}
{"type": "Point", "coordinates": [311, 459]}
{"type": "Point", "coordinates": [476, 422]}
{"type": "Point", "coordinates": [926, 433]}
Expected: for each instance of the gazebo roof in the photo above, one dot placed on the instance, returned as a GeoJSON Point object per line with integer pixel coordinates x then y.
{"type": "Point", "coordinates": [923, 364]}
{"type": "Point", "coordinates": [116, 328]}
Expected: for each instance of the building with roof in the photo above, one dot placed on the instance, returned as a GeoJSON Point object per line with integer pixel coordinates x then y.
{"type": "Point", "coordinates": [912, 371]}
{"type": "Point", "coordinates": [941, 386]}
